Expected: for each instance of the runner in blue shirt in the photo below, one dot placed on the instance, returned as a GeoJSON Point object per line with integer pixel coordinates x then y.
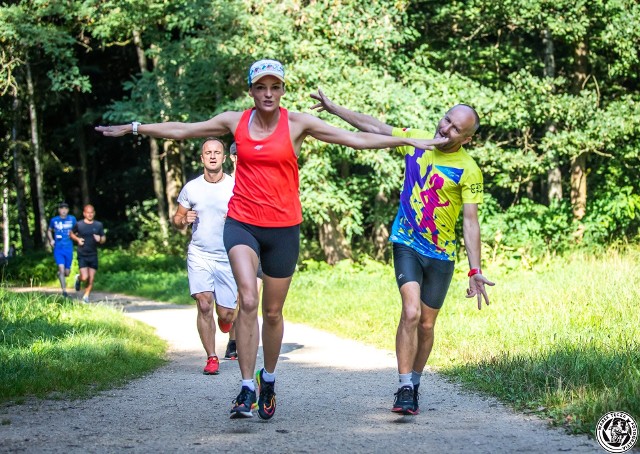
{"type": "Point", "coordinates": [58, 234]}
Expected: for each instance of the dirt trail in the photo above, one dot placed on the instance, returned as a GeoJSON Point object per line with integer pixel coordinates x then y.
{"type": "Point", "coordinates": [333, 394]}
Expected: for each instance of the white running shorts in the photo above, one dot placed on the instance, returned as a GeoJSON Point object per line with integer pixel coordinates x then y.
{"type": "Point", "coordinates": [206, 275]}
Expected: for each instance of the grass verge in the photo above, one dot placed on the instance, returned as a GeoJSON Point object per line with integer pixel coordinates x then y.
{"type": "Point", "coordinates": [51, 346]}
{"type": "Point", "coordinates": [561, 339]}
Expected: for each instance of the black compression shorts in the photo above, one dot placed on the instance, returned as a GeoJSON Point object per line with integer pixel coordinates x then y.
{"type": "Point", "coordinates": [277, 247]}
{"type": "Point", "coordinates": [433, 275]}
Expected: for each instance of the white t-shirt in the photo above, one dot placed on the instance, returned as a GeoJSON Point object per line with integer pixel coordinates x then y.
{"type": "Point", "coordinates": [210, 201]}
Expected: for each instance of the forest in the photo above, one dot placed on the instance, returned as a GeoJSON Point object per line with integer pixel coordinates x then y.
{"type": "Point", "coordinates": [554, 82]}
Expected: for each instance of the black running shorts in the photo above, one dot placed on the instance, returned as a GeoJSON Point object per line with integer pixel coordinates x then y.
{"type": "Point", "coordinates": [88, 261]}
{"type": "Point", "coordinates": [277, 247]}
{"type": "Point", "coordinates": [433, 275]}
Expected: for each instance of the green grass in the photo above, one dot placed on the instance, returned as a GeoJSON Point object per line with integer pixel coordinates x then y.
{"type": "Point", "coordinates": [561, 337]}
{"type": "Point", "coordinates": [161, 277]}
{"type": "Point", "coordinates": [51, 346]}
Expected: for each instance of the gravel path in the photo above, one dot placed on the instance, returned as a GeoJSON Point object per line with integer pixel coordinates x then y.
{"type": "Point", "coordinates": [334, 395]}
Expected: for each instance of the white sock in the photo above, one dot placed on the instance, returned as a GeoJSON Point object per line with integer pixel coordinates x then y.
{"type": "Point", "coordinates": [405, 380]}
{"type": "Point", "coordinates": [266, 376]}
{"type": "Point", "coordinates": [415, 377]}
{"type": "Point", "coordinates": [249, 384]}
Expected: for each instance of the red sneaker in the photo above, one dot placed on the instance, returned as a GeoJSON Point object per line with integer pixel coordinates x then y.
{"type": "Point", "coordinates": [212, 366]}
{"type": "Point", "coordinates": [224, 327]}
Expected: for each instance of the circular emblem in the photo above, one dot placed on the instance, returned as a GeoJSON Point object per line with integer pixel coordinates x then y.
{"type": "Point", "coordinates": [617, 432]}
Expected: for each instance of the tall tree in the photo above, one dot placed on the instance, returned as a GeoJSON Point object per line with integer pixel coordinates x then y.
{"type": "Point", "coordinates": [154, 149]}
{"type": "Point", "coordinates": [40, 34]}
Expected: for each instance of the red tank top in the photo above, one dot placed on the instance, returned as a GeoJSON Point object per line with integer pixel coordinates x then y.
{"type": "Point", "coordinates": [267, 192]}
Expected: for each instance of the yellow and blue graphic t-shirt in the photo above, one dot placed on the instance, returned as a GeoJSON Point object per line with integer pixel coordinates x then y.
{"type": "Point", "coordinates": [436, 184]}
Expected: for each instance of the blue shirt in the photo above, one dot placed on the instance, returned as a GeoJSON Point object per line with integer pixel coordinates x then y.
{"type": "Point", "coordinates": [61, 228]}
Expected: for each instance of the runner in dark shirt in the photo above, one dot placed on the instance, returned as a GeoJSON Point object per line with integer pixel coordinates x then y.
{"type": "Point", "coordinates": [88, 233]}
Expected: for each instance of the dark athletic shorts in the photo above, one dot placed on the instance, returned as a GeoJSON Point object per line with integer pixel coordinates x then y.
{"type": "Point", "coordinates": [89, 261]}
{"type": "Point", "coordinates": [433, 275]}
{"type": "Point", "coordinates": [276, 247]}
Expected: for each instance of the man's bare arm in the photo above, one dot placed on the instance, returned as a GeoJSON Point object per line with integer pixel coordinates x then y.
{"type": "Point", "coordinates": [361, 121]}
{"type": "Point", "coordinates": [183, 217]}
{"type": "Point", "coordinates": [471, 232]}
{"type": "Point", "coordinates": [314, 127]}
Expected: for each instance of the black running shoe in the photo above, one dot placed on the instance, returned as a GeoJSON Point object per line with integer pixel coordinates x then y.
{"type": "Point", "coordinates": [231, 352]}
{"type": "Point", "coordinates": [77, 284]}
{"type": "Point", "coordinates": [404, 401]}
{"type": "Point", "coordinates": [244, 404]}
{"type": "Point", "coordinates": [267, 399]}
{"type": "Point", "coordinates": [416, 397]}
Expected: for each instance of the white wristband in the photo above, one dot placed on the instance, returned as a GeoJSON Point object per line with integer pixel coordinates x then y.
{"type": "Point", "coordinates": [134, 126]}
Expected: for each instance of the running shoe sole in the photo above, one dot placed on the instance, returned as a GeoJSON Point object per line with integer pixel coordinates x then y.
{"type": "Point", "coordinates": [405, 411]}
{"type": "Point", "coordinates": [242, 414]}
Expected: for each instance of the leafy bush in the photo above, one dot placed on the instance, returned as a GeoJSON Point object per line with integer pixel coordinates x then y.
{"type": "Point", "coordinates": [33, 269]}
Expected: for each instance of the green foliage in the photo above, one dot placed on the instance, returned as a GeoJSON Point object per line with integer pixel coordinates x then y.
{"type": "Point", "coordinates": [33, 269]}
{"type": "Point", "coordinates": [527, 228]}
{"type": "Point", "coordinates": [42, 31]}
{"type": "Point", "coordinates": [51, 344]}
{"type": "Point", "coordinates": [405, 62]}
{"type": "Point", "coordinates": [157, 276]}
{"type": "Point", "coordinates": [145, 229]}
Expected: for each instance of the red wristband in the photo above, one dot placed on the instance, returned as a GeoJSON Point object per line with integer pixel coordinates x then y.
{"type": "Point", "coordinates": [474, 271]}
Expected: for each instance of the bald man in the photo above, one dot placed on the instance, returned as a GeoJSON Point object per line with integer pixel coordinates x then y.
{"type": "Point", "coordinates": [437, 184]}
{"type": "Point", "coordinates": [88, 233]}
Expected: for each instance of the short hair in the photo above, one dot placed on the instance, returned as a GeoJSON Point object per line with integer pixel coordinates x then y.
{"type": "Point", "coordinates": [476, 117]}
{"type": "Point", "coordinates": [215, 139]}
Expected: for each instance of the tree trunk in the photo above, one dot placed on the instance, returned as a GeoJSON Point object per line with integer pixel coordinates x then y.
{"type": "Point", "coordinates": [41, 221]}
{"type": "Point", "coordinates": [579, 189]}
{"type": "Point", "coordinates": [332, 240]}
{"type": "Point", "coordinates": [82, 151]}
{"type": "Point", "coordinates": [5, 218]}
{"type": "Point", "coordinates": [579, 163]}
{"type": "Point", "coordinates": [172, 160]}
{"type": "Point", "coordinates": [554, 175]}
{"type": "Point", "coordinates": [156, 167]}
{"type": "Point", "coordinates": [19, 180]}
{"type": "Point", "coordinates": [380, 234]}
{"type": "Point", "coordinates": [173, 172]}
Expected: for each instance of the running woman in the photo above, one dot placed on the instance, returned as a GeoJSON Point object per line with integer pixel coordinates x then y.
{"type": "Point", "coordinates": [263, 222]}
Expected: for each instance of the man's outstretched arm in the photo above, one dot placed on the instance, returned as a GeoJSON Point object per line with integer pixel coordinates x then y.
{"type": "Point", "coordinates": [358, 120]}
{"type": "Point", "coordinates": [317, 128]}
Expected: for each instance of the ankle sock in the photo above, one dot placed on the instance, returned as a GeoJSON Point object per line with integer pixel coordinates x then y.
{"type": "Point", "coordinates": [266, 376]}
{"type": "Point", "coordinates": [405, 379]}
{"type": "Point", "coordinates": [415, 377]}
{"type": "Point", "coordinates": [249, 384]}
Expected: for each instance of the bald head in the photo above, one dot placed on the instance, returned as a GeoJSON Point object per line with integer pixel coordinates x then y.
{"type": "Point", "coordinates": [468, 110]}
{"type": "Point", "coordinates": [458, 126]}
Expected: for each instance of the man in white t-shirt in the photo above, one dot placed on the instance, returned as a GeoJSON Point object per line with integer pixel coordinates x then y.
{"type": "Point", "coordinates": [203, 204]}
